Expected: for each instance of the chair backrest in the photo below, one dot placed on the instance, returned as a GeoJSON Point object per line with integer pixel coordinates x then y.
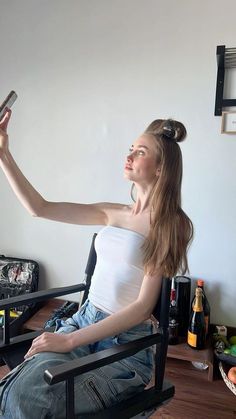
{"type": "Point", "coordinates": [161, 313]}
{"type": "Point", "coordinates": [89, 270]}
{"type": "Point", "coordinates": [161, 310]}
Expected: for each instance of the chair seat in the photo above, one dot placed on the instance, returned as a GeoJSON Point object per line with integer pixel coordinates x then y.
{"type": "Point", "coordinates": [143, 401]}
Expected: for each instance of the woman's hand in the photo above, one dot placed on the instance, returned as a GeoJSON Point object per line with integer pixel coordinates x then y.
{"type": "Point", "coordinates": [3, 133]}
{"type": "Point", "coordinates": [50, 342]}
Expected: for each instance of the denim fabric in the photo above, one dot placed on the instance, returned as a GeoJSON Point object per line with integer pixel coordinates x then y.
{"type": "Point", "coordinates": [25, 395]}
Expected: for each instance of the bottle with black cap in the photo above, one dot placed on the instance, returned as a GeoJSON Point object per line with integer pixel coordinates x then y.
{"type": "Point", "coordinates": [205, 304]}
{"type": "Point", "coordinates": [173, 317]}
{"type": "Point", "coordinates": [197, 329]}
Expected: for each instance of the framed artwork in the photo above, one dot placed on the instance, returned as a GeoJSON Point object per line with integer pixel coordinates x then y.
{"type": "Point", "coordinates": [228, 125]}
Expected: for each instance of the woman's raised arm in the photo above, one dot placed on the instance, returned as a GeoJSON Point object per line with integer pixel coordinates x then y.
{"type": "Point", "coordinates": [34, 203]}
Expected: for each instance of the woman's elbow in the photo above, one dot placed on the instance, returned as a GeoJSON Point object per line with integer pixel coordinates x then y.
{"type": "Point", "coordinates": [37, 209]}
{"type": "Point", "coordinates": [147, 315]}
{"type": "Point", "coordinates": [145, 312]}
{"type": "Point", "coordinates": [34, 214]}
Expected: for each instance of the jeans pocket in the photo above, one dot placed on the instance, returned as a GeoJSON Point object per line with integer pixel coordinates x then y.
{"type": "Point", "coordinates": [96, 394]}
{"type": "Point", "coordinates": [142, 362]}
{"type": "Point", "coordinates": [124, 382]}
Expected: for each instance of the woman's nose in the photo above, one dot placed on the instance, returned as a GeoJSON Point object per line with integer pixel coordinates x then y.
{"type": "Point", "coordinates": [129, 157]}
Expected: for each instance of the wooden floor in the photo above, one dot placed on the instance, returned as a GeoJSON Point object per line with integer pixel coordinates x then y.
{"type": "Point", "coordinates": [195, 396]}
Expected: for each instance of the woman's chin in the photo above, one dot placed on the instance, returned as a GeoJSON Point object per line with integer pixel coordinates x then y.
{"type": "Point", "coordinates": [127, 174]}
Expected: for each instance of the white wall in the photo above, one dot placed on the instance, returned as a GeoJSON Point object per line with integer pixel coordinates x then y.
{"type": "Point", "coordinates": [90, 76]}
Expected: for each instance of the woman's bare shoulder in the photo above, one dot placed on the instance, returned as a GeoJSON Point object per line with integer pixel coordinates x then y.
{"type": "Point", "coordinates": [114, 206]}
{"type": "Point", "coordinates": [115, 212]}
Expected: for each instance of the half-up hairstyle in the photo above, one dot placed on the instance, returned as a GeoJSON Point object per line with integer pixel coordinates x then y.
{"type": "Point", "coordinates": [171, 230]}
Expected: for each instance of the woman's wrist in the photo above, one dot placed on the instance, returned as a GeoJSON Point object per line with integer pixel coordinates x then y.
{"type": "Point", "coordinates": [73, 339]}
{"type": "Point", "coordinates": [5, 156]}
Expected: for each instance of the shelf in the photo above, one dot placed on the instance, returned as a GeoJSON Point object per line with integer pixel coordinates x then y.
{"type": "Point", "coordinates": [37, 321]}
{"type": "Point", "coordinates": [184, 352]}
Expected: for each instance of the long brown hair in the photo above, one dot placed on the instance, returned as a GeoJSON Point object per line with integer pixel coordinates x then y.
{"type": "Point", "coordinates": [171, 230]}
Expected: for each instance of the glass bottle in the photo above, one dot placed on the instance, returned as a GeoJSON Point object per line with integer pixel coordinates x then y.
{"type": "Point", "coordinates": [197, 328]}
{"type": "Point", "coordinates": [206, 305]}
{"type": "Point", "coordinates": [173, 317]}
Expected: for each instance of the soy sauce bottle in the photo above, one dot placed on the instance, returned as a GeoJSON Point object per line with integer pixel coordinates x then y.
{"type": "Point", "coordinates": [197, 328]}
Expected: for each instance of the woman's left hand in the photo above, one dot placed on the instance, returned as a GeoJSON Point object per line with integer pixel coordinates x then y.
{"type": "Point", "coordinates": [50, 342]}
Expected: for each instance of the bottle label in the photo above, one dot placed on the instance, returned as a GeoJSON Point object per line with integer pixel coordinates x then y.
{"type": "Point", "coordinates": [173, 323]}
{"type": "Point", "coordinates": [197, 309]}
{"type": "Point", "coordinates": [192, 339]}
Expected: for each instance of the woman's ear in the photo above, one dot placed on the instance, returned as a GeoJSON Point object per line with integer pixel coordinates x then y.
{"type": "Point", "coordinates": [158, 172]}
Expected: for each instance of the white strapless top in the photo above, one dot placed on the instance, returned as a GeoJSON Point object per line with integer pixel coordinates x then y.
{"type": "Point", "coordinates": [118, 274]}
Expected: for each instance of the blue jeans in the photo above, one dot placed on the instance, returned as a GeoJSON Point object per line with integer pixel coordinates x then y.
{"type": "Point", "coordinates": [25, 395]}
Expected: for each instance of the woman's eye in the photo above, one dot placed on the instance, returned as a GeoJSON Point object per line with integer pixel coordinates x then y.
{"type": "Point", "coordinates": [136, 152]}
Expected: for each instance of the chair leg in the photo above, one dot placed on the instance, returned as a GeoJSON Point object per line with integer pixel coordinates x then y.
{"type": "Point", "coordinates": [70, 403]}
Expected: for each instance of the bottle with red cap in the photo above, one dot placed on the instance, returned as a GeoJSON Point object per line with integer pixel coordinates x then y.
{"type": "Point", "coordinates": [205, 304]}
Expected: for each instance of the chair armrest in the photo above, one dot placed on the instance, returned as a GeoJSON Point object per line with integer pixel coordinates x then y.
{"type": "Point", "coordinates": [17, 341]}
{"type": "Point", "coordinates": [37, 296]}
{"type": "Point", "coordinates": [93, 361]}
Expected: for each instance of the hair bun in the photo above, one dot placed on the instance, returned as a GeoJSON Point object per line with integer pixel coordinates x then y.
{"type": "Point", "coordinates": [167, 128]}
{"type": "Point", "coordinates": [173, 130]}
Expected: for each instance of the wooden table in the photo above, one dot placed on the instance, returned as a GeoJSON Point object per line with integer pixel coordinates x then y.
{"type": "Point", "coordinates": [184, 352]}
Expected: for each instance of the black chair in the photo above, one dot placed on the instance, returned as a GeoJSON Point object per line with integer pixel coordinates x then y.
{"type": "Point", "coordinates": [12, 351]}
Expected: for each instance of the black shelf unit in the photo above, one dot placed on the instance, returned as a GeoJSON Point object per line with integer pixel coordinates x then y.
{"type": "Point", "coordinates": [226, 60]}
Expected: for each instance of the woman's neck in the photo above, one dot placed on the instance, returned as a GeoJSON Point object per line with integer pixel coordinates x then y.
{"type": "Point", "coordinates": [142, 202]}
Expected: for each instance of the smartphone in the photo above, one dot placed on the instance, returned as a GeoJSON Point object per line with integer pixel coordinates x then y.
{"type": "Point", "coordinates": [8, 102]}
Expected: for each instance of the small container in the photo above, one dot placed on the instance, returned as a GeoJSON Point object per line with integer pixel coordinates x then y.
{"type": "Point", "coordinates": [221, 330]}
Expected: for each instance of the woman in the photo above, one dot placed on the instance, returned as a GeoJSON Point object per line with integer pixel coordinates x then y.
{"type": "Point", "coordinates": [138, 245]}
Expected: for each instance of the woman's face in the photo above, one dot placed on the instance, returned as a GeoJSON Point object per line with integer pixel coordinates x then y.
{"type": "Point", "coordinates": [141, 163]}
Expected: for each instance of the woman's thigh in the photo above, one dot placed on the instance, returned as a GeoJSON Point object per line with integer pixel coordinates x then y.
{"type": "Point", "coordinates": [25, 392]}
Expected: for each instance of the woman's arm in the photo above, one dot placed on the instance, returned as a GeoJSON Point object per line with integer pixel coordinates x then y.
{"type": "Point", "coordinates": [34, 203]}
{"type": "Point", "coordinates": [130, 316]}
